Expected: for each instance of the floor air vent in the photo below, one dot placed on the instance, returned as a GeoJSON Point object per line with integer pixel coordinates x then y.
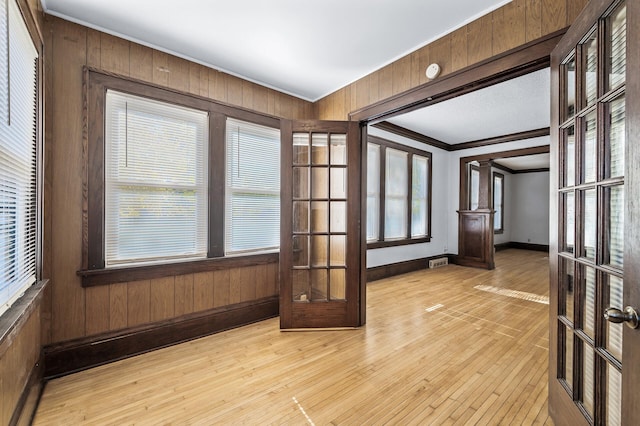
{"type": "Point", "coordinates": [436, 263]}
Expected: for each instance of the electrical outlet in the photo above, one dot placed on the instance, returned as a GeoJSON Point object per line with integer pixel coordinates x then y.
{"type": "Point", "coordinates": [445, 249]}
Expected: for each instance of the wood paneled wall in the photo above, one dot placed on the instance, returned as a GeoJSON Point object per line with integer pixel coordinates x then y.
{"type": "Point", "coordinates": [76, 311]}
{"type": "Point", "coordinates": [510, 26]}
{"type": "Point", "coordinates": [17, 361]}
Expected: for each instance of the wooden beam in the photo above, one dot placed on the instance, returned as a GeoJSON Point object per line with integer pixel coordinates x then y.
{"type": "Point", "coordinates": [407, 133]}
{"type": "Point", "coordinates": [528, 134]}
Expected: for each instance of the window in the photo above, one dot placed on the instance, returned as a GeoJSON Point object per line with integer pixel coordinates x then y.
{"type": "Point", "coordinates": [19, 129]}
{"type": "Point", "coordinates": [373, 191]}
{"type": "Point", "coordinates": [155, 181]}
{"type": "Point", "coordinates": [398, 212]}
{"type": "Point", "coordinates": [474, 186]}
{"type": "Point", "coordinates": [396, 195]}
{"type": "Point", "coordinates": [498, 202]}
{"type": "Point", "coordinates": [252, 219]}
{"type": "Point", "coordinates": [185, 179]}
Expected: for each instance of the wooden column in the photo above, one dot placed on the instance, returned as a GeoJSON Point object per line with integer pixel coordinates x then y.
{"type": "Point", "coordinates": [475, 227]}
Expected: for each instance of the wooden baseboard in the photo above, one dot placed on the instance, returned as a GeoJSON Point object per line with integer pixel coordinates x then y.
{"type": "Point", "coordinates": [386, 271]}
{"type": "Point", "coordinates": [81, 354]}
{"type": "Point", "coordinates": [529, 246]}
{"type": "Point", "coordinates": [27, 404]}
{"type": "Point", "coordinates": [522, 246]}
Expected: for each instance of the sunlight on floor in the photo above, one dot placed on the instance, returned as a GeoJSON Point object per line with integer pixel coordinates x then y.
{"type": "Point", "coordinates": [514, 293]}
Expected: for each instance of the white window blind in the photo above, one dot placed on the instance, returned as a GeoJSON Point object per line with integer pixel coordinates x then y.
{"type": "Point", "coordinates": [373, 191]}
{"type": "Point", "coordinates": [18, 170]}
{"type": "Point", "coordinates": [155, 181]}
{"type": "Point", "coordinates": [252, 218]}
{"type": "Point", "coordinates": [396, 194]}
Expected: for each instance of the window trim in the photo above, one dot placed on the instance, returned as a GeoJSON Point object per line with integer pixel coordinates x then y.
{"type": "Point", "coordinates": [384, 144]}
{"type": "Point", "coordinates": [499, 176]}
{"type": "Point", "coordinates": [96, 84]}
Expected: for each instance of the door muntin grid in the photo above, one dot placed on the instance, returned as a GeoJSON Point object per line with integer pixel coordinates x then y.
{"type": "Point", "coordinates": [319, 217]}
{"type": "Point", "coordinates": [591, 220]}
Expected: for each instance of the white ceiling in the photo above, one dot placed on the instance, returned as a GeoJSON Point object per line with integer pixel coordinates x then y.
{"type": "Point", "coordinates": [311, 48]}
{"type": "Point", "coordinates": [514, 106]}
{"type": "Point", "coordinates": [529, 162]}
{"type": "Point", "coordinates": [307, 48]}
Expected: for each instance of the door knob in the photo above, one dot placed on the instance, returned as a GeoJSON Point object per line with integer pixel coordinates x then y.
{"type": "Point", "coordinates": [629, 316]}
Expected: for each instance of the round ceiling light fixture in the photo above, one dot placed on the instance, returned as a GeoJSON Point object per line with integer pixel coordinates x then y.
{"type": "Point", "coordinates": [433, 71]}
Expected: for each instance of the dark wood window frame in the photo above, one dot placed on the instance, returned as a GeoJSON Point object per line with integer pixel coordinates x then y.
{"type": "Point", "coordinates": [499, 176]}
{"type": "Point", "coordinates": [384, 144]}
{"type": "Point", "coordinates": [93, 270]}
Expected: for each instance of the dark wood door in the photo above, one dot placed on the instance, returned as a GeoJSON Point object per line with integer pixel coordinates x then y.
{"type": "Point", "coordinates": [320, 227]}
{"type": "Point", "coordinates": [594, 363]}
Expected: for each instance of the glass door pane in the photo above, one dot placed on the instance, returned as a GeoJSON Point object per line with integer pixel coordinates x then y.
{"type": "Point", "coordinates": [319, 216]}
{"type": "Point", "coordinates": [590, 70]}
{"type": "Point", "coordinates": [616, 46]}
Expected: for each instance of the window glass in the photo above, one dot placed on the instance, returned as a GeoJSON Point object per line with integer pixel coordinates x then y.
{"type": "Point", "coordinates": [474, 188]}
{"type": "Point", "coordinates": [498, 201]}
{"type": "Point", "coordinates": [252, 219]}
{"type": "Point", "coordinates": [403, 196]}
{"type": "Point", "coordinates": [373, 191]}
{"type": "Point", "coordinates": [155, 180]}
{"type": "Point", "coordinates": [396, 194]}
{"type": "Point", "coordinates": [419, 202]}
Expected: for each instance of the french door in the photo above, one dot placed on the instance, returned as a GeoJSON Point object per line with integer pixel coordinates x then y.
{"type": "Point", "coordinates": [594, 344]}
{"type": "Point", "coordinates": [320, 228]}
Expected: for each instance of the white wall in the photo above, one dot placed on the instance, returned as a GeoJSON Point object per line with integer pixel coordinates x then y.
{"type": "Point", "coordinates": [530, 208]}
{"type": "Point", "coordinates": [445, 201]}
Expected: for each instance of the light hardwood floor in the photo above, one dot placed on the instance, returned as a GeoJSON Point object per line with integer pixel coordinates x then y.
{"type": "Point", "coordinates": [436, 349]}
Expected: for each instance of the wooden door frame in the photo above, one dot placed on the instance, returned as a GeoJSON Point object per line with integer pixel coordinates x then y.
{"type": "Point", "coordinates": [632, 269]}
{"type": "Point", "coordinates": [530, 57]}
{"type": "Point", "coordinates": [525, 59]}
{"type": "Point", "coordinates": [520, 61]}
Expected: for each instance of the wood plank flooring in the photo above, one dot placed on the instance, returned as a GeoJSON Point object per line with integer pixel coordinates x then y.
{"type": "Point", "coordinates": [435, 351]}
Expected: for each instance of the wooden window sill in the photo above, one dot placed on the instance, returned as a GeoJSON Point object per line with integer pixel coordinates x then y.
{"type": "Point", "coordinates": [96, 277]}
{"type": "Point", "coordinates": [19, 313]}
{"type": "Point", "coordinates": [395, 243]}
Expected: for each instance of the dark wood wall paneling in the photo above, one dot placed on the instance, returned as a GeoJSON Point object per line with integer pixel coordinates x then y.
{"type": "Point", "coordinates": [514, 24]}
{"type": "Point", "coordinates": [79, 312]}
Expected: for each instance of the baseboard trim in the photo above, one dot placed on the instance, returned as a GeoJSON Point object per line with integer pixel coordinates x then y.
{"type": "Point", "coordinates": [80, 354]}
{"type": "Point", "coordinates": [385, 271]}
{"type": "Point", "coordinates": [27, 404]}
{"type": "Point", "coordinates": [522, 246]}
